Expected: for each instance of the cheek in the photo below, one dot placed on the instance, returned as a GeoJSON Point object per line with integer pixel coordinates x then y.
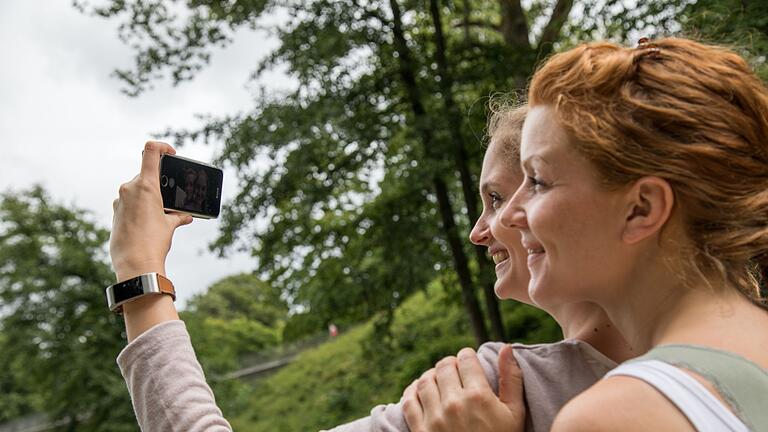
{"type": "Point", "coordinates": [565, 223]}
{"type": "Point", "coordinates": [548, 218]}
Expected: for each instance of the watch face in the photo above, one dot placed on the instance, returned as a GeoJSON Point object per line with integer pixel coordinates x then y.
{"type": "Point", "coordinates": [128, 289]}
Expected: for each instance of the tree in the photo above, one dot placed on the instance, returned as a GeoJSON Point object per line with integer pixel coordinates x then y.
{"type": "Point", "coordinates": [365, 171]}
{"type": "Point", "coordinates": [740, 24]}
{"type": "Point", "coordinates": [59, 342]}
{"type": "Point", "coordinates": [238, 315]}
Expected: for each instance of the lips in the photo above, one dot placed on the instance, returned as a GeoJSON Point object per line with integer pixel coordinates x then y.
{"type": "Point", "coordinates": [534, 250]}
{"type": "Point", "coordinates": [532, 246]}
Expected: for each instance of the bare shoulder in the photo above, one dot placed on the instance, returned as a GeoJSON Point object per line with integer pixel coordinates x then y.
{"type": "Point", "coordinates": [621, 403]}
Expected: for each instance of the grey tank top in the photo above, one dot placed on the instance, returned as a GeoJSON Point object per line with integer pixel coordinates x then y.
{"type": "Point", "coordinates": [742, 383]}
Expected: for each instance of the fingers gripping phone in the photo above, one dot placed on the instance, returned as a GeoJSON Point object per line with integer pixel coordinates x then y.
{"type": "Point", "coordinates": [190, 186]}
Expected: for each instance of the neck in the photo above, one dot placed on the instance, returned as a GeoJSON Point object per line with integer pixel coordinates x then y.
{"type": "Point", "coordinates": [589, 323]}
{"type": "Point", "coordinates": [654, 313]}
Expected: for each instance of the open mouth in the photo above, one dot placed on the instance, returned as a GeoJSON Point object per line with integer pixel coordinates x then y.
{"type": "Point", "coordinates": [500, 257]}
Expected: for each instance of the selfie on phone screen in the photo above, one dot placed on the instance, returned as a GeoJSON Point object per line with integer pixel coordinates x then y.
{"type": "Point", "coordinates": [190, 187]}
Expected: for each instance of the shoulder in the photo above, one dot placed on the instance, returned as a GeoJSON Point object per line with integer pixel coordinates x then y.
{"type": "Point", "coordinates": [489, 351]}
{"type": "Point", "coordinates": [620, 403]}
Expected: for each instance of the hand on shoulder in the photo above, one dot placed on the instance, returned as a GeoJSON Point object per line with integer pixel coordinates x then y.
{"type": "Point", "coordinates": [456, 396]}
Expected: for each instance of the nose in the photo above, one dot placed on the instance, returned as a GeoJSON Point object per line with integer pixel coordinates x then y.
{"type": "Point", "coordinates": [512, 215]}
{"type": "Point", "coordinates": [481, 233]}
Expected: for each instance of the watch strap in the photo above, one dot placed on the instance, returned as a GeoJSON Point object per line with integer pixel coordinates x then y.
{"type": "Point", "coordinates": [137, 287]}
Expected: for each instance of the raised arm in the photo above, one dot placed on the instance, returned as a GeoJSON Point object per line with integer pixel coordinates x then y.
{"type": "Point", "coordinates": [167, 385]}
{"type": "Point", "coordinates": [141, 238]}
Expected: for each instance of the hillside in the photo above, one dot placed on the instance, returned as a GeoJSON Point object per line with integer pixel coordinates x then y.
{"type": "Point", "coordinates": [343, 379]}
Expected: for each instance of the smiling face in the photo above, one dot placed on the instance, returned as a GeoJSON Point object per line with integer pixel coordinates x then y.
{"type": "Point", "coordinates": [498, 181]}
{"type": "Point", "coordinates": [201, 188]}
{"type": "Point", "coordinates": [571, 227]}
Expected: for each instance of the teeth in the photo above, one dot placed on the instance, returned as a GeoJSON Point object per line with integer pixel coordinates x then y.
{"type": "Point", "coordinates": [500, 256]}
{"type": "Point", "coordinates": [535, 251]}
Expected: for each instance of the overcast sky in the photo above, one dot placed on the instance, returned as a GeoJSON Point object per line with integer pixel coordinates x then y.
{"type": "Point", "coordinates": [65, 124]}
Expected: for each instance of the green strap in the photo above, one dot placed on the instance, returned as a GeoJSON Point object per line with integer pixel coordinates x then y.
{"type": "Point", "coordinates": [741, 382]}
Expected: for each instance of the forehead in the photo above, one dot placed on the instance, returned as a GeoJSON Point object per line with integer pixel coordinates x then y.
{"type": "Point", "coordinates": [498, 169]}
{"type": "Point", "coordinates": [542, 134]}
{"type": "Point", "coordinates": [497, 155]}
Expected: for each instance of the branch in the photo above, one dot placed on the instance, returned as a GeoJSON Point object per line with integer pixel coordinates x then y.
{"type": "Point", "coordinates": [552, 30]}
{"type": "Point", "coordinates": [480, 24]}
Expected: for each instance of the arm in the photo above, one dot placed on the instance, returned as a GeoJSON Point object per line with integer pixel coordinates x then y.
{"type": "Point", "coordinates": [167, 384]}
{"type": "Point", "coordinates": [456, 396]}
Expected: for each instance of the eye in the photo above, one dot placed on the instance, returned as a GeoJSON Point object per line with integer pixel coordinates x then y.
{"type": "Point", "coordinates": [535, 184]}
{"type": "Point", "coordinates": [496, 200]}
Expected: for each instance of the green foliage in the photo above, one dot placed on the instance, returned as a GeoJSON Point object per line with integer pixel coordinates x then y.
{"type": "Point", "coordinates": [301, 325]}
{"type": "Point", "coordinates": [743, 25]}
{"type": "Point", "coordinates": [241, 296]}
{"type": "Point", "coordinates": [337, 166]}
{"type": "Point", "coordinates": [237, 315]}
{"type": "Point", "coordinates": [530, 325]}
{"type": "Point", "coordinates": [58, 343]}
{"type": "Point", "coordinates": [344, 378]}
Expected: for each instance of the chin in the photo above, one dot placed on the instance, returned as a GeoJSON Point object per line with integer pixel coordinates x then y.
{"type": "Point", "coordinates": [548, 295]}
{"type": "Point", "coordinates": [539, 293]}
{"type": "Point", "coordinates": [509, 290]}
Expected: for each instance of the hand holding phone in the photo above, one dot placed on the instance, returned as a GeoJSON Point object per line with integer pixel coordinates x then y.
{"type": "Point", "coordinates": [191, 187]}
{"type": "Point", "coordinates": [141, 232]}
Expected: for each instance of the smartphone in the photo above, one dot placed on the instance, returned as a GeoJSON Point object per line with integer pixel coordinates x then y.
{"type": "Point", "coordinates": [191, 187]}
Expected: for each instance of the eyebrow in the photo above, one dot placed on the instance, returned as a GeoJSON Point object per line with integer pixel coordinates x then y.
{"type": "Point", "coordinates": [527, 163]}
{"type": "Point", "coordinates": [485, 186]}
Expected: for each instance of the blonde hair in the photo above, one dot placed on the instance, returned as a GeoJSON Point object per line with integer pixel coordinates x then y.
{"type": "Point", "coordinates": [693, 114]}
{"type": "Point", "coordinates": [505, 124]}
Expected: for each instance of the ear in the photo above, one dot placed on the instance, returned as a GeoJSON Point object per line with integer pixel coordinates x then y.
{"type": "Point", "coordinates": [649, 207]}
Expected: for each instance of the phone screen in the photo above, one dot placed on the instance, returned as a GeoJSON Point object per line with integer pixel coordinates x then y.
{"type": "Point", "coordinates": [190, 187]}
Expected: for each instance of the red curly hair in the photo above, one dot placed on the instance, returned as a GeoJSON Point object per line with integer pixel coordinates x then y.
{"type": "Point", "coordinates": [693, 114]}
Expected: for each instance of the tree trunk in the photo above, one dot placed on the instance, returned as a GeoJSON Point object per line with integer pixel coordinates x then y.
{"type": "Point", "coordinates": [460, 262]}
{"type": "Point", "coordinates": [468, 184]}
{"type": "Point", "coordinates": [467, 15]}
{"type": "Point", "coordinates": [408, 76]}
{"type": "Point", "coordinates": [514, 26]}
{"type": "Point", "coordinates": [551, 32]}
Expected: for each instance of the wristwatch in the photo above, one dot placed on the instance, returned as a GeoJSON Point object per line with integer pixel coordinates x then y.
{"type": "Point", "coordinates": [135, 288]}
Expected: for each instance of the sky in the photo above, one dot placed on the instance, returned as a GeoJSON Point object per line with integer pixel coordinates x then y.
{"type": "Point", "coordinates": [65, 124]}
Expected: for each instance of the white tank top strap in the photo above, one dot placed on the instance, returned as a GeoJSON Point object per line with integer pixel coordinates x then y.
{"type": "Point", "coordinates": [701, 407]}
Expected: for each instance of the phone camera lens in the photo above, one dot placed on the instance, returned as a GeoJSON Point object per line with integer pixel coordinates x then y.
{"type": "Point", "coordinates": [163, 181]}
